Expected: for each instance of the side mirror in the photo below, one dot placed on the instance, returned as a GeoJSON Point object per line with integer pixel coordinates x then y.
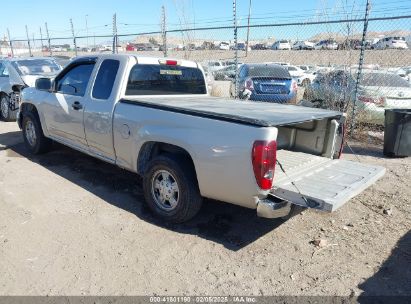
{"type": "Point", "coordinates": [43, 84]}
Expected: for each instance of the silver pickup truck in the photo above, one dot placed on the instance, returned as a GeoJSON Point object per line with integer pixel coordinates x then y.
{"type": "Point", "coordinates": [154, 117]}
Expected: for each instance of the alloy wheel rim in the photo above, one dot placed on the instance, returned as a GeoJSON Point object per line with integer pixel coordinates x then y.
{"type": "Point", "coordinates": [165, 190]}
{"type": "Point", "coordinates": [30, 133]}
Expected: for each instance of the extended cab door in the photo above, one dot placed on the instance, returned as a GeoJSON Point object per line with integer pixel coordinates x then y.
{"type": "Point", "coordinates": [64, 113]}
{"type": "Point", "coordinates": [98, 113]}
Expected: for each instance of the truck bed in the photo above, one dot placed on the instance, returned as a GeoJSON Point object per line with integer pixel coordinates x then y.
{"type": "Point", "coordinates": [260, 114]}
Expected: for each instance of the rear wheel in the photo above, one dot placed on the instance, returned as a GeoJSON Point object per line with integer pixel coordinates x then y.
{"type": "Point", "coordinates": [34, 138]}
{"type": "Point", "coordinates": [5, 112]}
{"type": "Point", "coordinates": [170, 188]}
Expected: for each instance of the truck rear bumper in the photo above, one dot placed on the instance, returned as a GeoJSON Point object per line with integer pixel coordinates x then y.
{"type": "Point", "coordinates": [271, 207]}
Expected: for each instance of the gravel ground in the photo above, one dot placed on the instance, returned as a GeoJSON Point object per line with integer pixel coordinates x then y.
{"type": "Point", "coordinates": [72, 225]}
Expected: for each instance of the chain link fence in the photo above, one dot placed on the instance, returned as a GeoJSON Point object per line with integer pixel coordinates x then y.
{"type": "Point", "coordinates": [322, 59]}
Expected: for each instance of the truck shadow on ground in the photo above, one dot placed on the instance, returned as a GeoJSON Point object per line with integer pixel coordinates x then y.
{"type": "Point", "coordinates": [232, 226]}
{"type": "Point", "coordinates": [391, 284]}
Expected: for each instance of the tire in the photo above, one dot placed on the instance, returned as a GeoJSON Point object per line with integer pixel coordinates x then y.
{"type": "Point", "coordinates": [34, 138]}
{"type": "Point", "coordinates": [5, 112]}
{"type": "Point", "coordinates": [170, 188]}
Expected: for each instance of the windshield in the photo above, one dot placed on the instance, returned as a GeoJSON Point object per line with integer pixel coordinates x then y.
{"type": "Point", "coordinates": [384, 80]}
{"type": "Point", "coordinates": [36, 66]}
{"type": "Point", "coordinates": [268, 71]}
{"type": "Point", "coordinates": [152, 79]}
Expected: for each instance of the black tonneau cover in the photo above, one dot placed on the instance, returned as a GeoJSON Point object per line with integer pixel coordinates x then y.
{"type": "Point", "coordinates": [261, 114]}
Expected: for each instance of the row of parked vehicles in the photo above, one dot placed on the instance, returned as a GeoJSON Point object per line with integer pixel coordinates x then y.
{"type": "Point", "coordinates": [331, 44]}
{"type": "Point", "coordinates": [330, 87]}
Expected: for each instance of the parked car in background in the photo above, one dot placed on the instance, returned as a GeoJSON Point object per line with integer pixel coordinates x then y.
{"type": "Point", "coordinates": [224, 46]}
{"type": "Point", "coordinates": [328, 44]}
{"type": "Point", "coordinates": [214, 65]}
{"type": "Point", "coordinates": [303, 45]}
{"type": "Point", "coordinates": [391, 43]}
{"type": "Point", "coordinates": [307, 78]}
{"type": "Point", "coordinates": [306, 68]}
{"type": "Point", "coordinates": [241, 46]}
{"type": "Point", "coordinates": [281, 45]}
{"type": "Point", "coordinates": [350, 44]}
{"type": "Point", "coordinates": [378, 90]}
{"type": "Point", "coordinates": [294, 71]}
{"type": "Point", "coordinates": [259, 46]}
{"type": "Point", "coordinates": [226, 73]}
{"type": "Point", "coordinates": [265, 82]}
{"type": "Point", "coordinates": [62, 60]}
{"type": "Point", "coordinates": [17, 74]}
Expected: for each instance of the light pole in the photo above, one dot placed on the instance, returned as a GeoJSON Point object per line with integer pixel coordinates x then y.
{"type": "Point", "coordinates": [86, 31]}
{"type": "Point", "coordinates": [248, 28]}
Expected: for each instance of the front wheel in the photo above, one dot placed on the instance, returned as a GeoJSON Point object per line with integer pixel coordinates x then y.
{"type": "Point", "coordinates": [5, 110]}
{"type": "Point", "coordinates": [170, 188]}
{"type": "Point", "coordinates": [34, 138]}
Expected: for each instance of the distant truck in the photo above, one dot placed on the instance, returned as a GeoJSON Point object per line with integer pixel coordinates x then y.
{"type": "Point", "coordinates": [153, 116]}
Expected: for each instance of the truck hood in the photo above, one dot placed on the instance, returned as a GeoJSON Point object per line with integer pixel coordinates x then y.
{"type": "Point", "coordinates": [262, 114]}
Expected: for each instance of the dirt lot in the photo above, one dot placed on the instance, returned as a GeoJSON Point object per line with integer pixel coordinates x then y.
{"type": "Point", "coordinates": [72, 225]}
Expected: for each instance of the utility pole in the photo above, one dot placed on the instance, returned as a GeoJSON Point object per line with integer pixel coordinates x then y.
{"type": "Point", "coordinates": [41, 40]}
{"type": "Point", "coordinates": [163, 30]}
{"type": "Point", "coordinates": [11, 43]}
{"type": "Point", "coordinates": [87, 31]}
{"type": "Point", "coordinates": [115, 34]}
{"type": "Point", "coordinates": [48, 39]}
{"type": "Point", "coordinates": [34, 41]}
{"type": "Point", "coordinates": [248, 28]}
{"type": "Point", "coordinates": [360, 64]}
{"type": "Point", "coordinates": [236, 48]}
{"type": "Point", "coordinates": [74, 37]}
{"type": "Point", "coordinates": [28, 41]}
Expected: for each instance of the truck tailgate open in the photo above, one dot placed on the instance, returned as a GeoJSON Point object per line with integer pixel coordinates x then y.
{"type": "Point", "coordinates": [325, 184]}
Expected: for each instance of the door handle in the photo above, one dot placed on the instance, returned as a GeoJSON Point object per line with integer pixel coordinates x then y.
{"type": "Point", "coordinates": [77, 105]}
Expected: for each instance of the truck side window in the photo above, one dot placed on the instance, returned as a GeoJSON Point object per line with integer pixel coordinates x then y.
{"type": "Point", "coordinates": [105, 79]}
{"type": "Point", "coordinates": [75, 81]}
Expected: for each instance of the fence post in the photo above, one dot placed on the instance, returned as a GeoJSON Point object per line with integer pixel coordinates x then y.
{"type": "Point", "coordinates": [11, 43]}
{"type": "Point", "coordinates": [163, 30]}
{"type": "Point", "coordinates": [235, 48]}
{"type": "Point", "coordinates": [114, 33]}
{"type": "Point", "coordinates": [360, 64]}
{"type": "Point", "coordinates": [28, 41]}
{"type": "Point", "coordinates": [48, 39]}
{"type": "Point", "coordinates": [248, 29]}
{"type": "Point", "coordinates": [74, 37]}
{"type": "Point", "coordinates": [41, 40]}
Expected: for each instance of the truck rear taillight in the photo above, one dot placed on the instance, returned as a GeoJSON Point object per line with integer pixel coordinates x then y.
{"type": "Point", "coordinates": [249, 84]}
{"type": "Point", "coordinates": [264, 157]}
